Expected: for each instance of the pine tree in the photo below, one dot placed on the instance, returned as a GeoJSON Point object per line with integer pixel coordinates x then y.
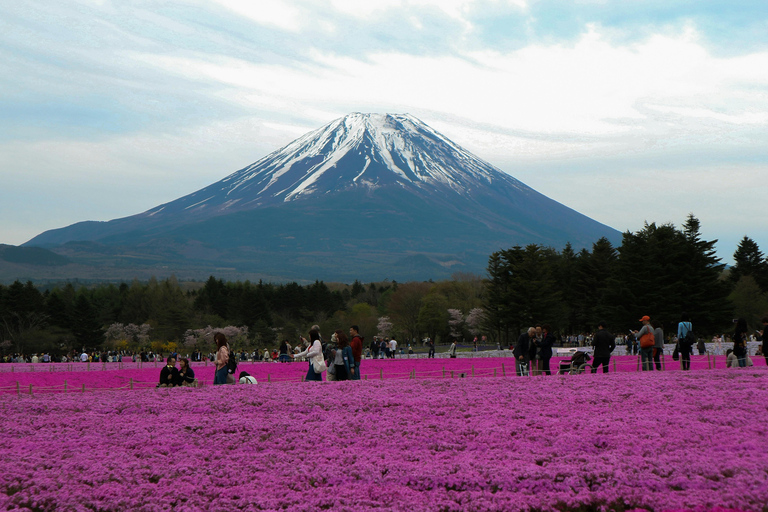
{"type": "Point", "coordinates": [749, 261]}
{"type": "Point", "coordinates": [85, 324]}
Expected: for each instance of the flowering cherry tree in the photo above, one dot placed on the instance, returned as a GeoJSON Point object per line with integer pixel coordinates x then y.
{"type": "Point", "coordinates": [474, 321]}
{"type": "Point", "coordinates": [455, 322]}
{"type": "Point", "coordinates": [132, 333]}
{"type": "Point", "coordinates": [384, 326]}
{"type": "Point", "coordinates": [198, 338]}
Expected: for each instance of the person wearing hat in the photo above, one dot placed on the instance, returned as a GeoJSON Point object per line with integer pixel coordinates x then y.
{"type": "Point", "coordinates": [646, 354]}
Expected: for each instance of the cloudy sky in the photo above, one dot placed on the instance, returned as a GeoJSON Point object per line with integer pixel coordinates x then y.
{"type": "Point", "coordinates": [627, 111]}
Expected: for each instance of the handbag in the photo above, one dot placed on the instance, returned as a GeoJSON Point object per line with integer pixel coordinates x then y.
{"type": "Point", "coordinates": [676, 353]}
{"type": "Point", "coordinates": [647, 340]}
{"type": "Point", "coordinates": [318, 364]}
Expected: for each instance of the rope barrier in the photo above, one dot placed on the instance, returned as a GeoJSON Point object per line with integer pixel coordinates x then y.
{"type": "Point", "coordinates": [411, 374]}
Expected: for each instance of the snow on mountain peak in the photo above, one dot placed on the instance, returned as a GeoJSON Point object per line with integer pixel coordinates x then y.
{"type": "Point", "coordinates": [366, 151]}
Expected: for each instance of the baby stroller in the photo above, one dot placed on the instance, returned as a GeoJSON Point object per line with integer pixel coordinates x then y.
{"type": "Point", "coordinates": [574, 365]}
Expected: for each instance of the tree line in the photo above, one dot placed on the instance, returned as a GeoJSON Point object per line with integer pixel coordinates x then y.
{"type": "Point", "coordinates": [661, 271]}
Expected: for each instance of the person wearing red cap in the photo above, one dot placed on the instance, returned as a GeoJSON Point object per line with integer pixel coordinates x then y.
{"type": "Point", "coordinates": [646, 354]}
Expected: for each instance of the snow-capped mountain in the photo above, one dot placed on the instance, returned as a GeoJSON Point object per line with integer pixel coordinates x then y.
{"type": "Point", "coordinates": [360, 152]}
{"type": "Point", "coordinates": [367, 196]}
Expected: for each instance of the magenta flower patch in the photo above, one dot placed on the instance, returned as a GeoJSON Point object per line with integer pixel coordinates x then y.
{"type": "Point", "coordinates": [621, 441]}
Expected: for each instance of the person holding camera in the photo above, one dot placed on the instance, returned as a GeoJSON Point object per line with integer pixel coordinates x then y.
{"type": "Point", "coordinates": [169, 375]}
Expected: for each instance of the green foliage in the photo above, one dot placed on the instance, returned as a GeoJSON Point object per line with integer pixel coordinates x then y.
{"type": "Point", "coordinates": [749, 261]}
{"type": "Point", "coordinates": [522, 290]}
{"type": "Point", "coordinates": [749, 301]}
{"type": "Point", "coordinates": [660, 271]}
{"type": "Point", "coordinates": [433, 315]}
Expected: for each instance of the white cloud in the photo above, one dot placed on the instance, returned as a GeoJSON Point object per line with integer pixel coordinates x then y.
{"type": "Point", "coordinates": [454, 8]}
{"type": "Point", "coordinates": [279, 13]}
{"type": "Point", "coordinates": [589, 89]}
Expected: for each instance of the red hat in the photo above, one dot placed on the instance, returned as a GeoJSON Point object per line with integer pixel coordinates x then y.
{"type": "Point", "coordinates": [646, 318]}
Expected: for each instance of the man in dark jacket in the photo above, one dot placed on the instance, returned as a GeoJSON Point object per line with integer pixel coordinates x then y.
{"type": "Point", "coordinates": [169, 375]}
{"type": "Point", "coordinates": [547, 341]}
{"type": "Point", "coordinates": [604, 343]}
{"type": "Point", "coordinates": [521, 350]}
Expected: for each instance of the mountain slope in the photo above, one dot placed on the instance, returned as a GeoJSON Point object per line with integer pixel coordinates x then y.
{"type": "Point", "coordinates": [355, 199]}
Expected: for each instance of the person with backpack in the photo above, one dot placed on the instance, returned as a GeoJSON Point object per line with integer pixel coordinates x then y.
{"type": "Point", "coordinates": [685, 341]}
{"type": "Point", "coordinates": [647, 341]}
{"type": "Point", "coordinates": [222, 359]}
{"type": "Point", "coordinates": [356, 344]}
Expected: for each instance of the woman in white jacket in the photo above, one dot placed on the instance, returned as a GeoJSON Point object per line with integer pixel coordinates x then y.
{"type": "Point", "coordinates": [315, 355]}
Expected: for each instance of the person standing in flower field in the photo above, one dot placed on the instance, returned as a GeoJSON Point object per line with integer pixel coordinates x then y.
{"type": "Point", "coordinates": [392, 348]}
{"type": "Point", "coordinates": [604, 343]}
{"type": "Point", "coordinates": [313, 353]}
{"type": "Point", "coordinates": [646, 354]}
{"type": "Point", "coordinates": [658, 348]}
{"type": "Point", "coordinates": [686, 346]}
{"type": "Point", "coordinates": [521, 350]}
{"type": "Point", "coordinates": [452, 350]}
{"type": "Point", "coordinates": [356, 344]}
{"type": "Point", "coordinates": [740, 342]}
{"type": "Point", "coordinates": [431, 345]}
{"type": "Point", "coordinates": [222, 358]}
{"type": "Point", "coordinates": [545, 349]}
{"type": "Point", "coordinates": [765, 341]}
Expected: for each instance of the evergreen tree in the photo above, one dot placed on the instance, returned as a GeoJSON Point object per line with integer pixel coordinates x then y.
{"type": "Point", "coordinates": [85, 324]}
{"type": "Point", "coordinates": [749, 261]}
{"type": "Point", "coordinates": [705, 289]}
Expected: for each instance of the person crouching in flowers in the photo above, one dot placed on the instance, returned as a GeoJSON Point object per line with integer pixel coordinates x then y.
{"type": "Point", "coordinates": [222, 358]}
{"type": "Point", "coordinates": [246, 378]}
{"type": "Point", "coordinates": [186, 373]}
{"type": "Point", "coordinates": [169, 375]}
{"type": "Point", "coordinates": [312, 353]}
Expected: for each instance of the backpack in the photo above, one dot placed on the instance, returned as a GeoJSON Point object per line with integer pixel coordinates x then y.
{"type": "Point", "coordinates": [231, 362]}
{"type": "Point", "coordinates": [689, 340]}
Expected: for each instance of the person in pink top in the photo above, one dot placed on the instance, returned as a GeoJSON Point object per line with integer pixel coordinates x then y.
{"type": "Point", "coordinates": [222, 358]}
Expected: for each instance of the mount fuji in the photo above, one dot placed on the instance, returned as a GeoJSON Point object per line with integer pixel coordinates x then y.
{"type": "Point", "coordinates": [368, 196]}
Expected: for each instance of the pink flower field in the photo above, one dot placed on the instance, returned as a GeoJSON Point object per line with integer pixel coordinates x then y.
{"type": "Point", "coordinates": [654, 441]}
{"type": "Point", "coordinates": [52, 377]}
